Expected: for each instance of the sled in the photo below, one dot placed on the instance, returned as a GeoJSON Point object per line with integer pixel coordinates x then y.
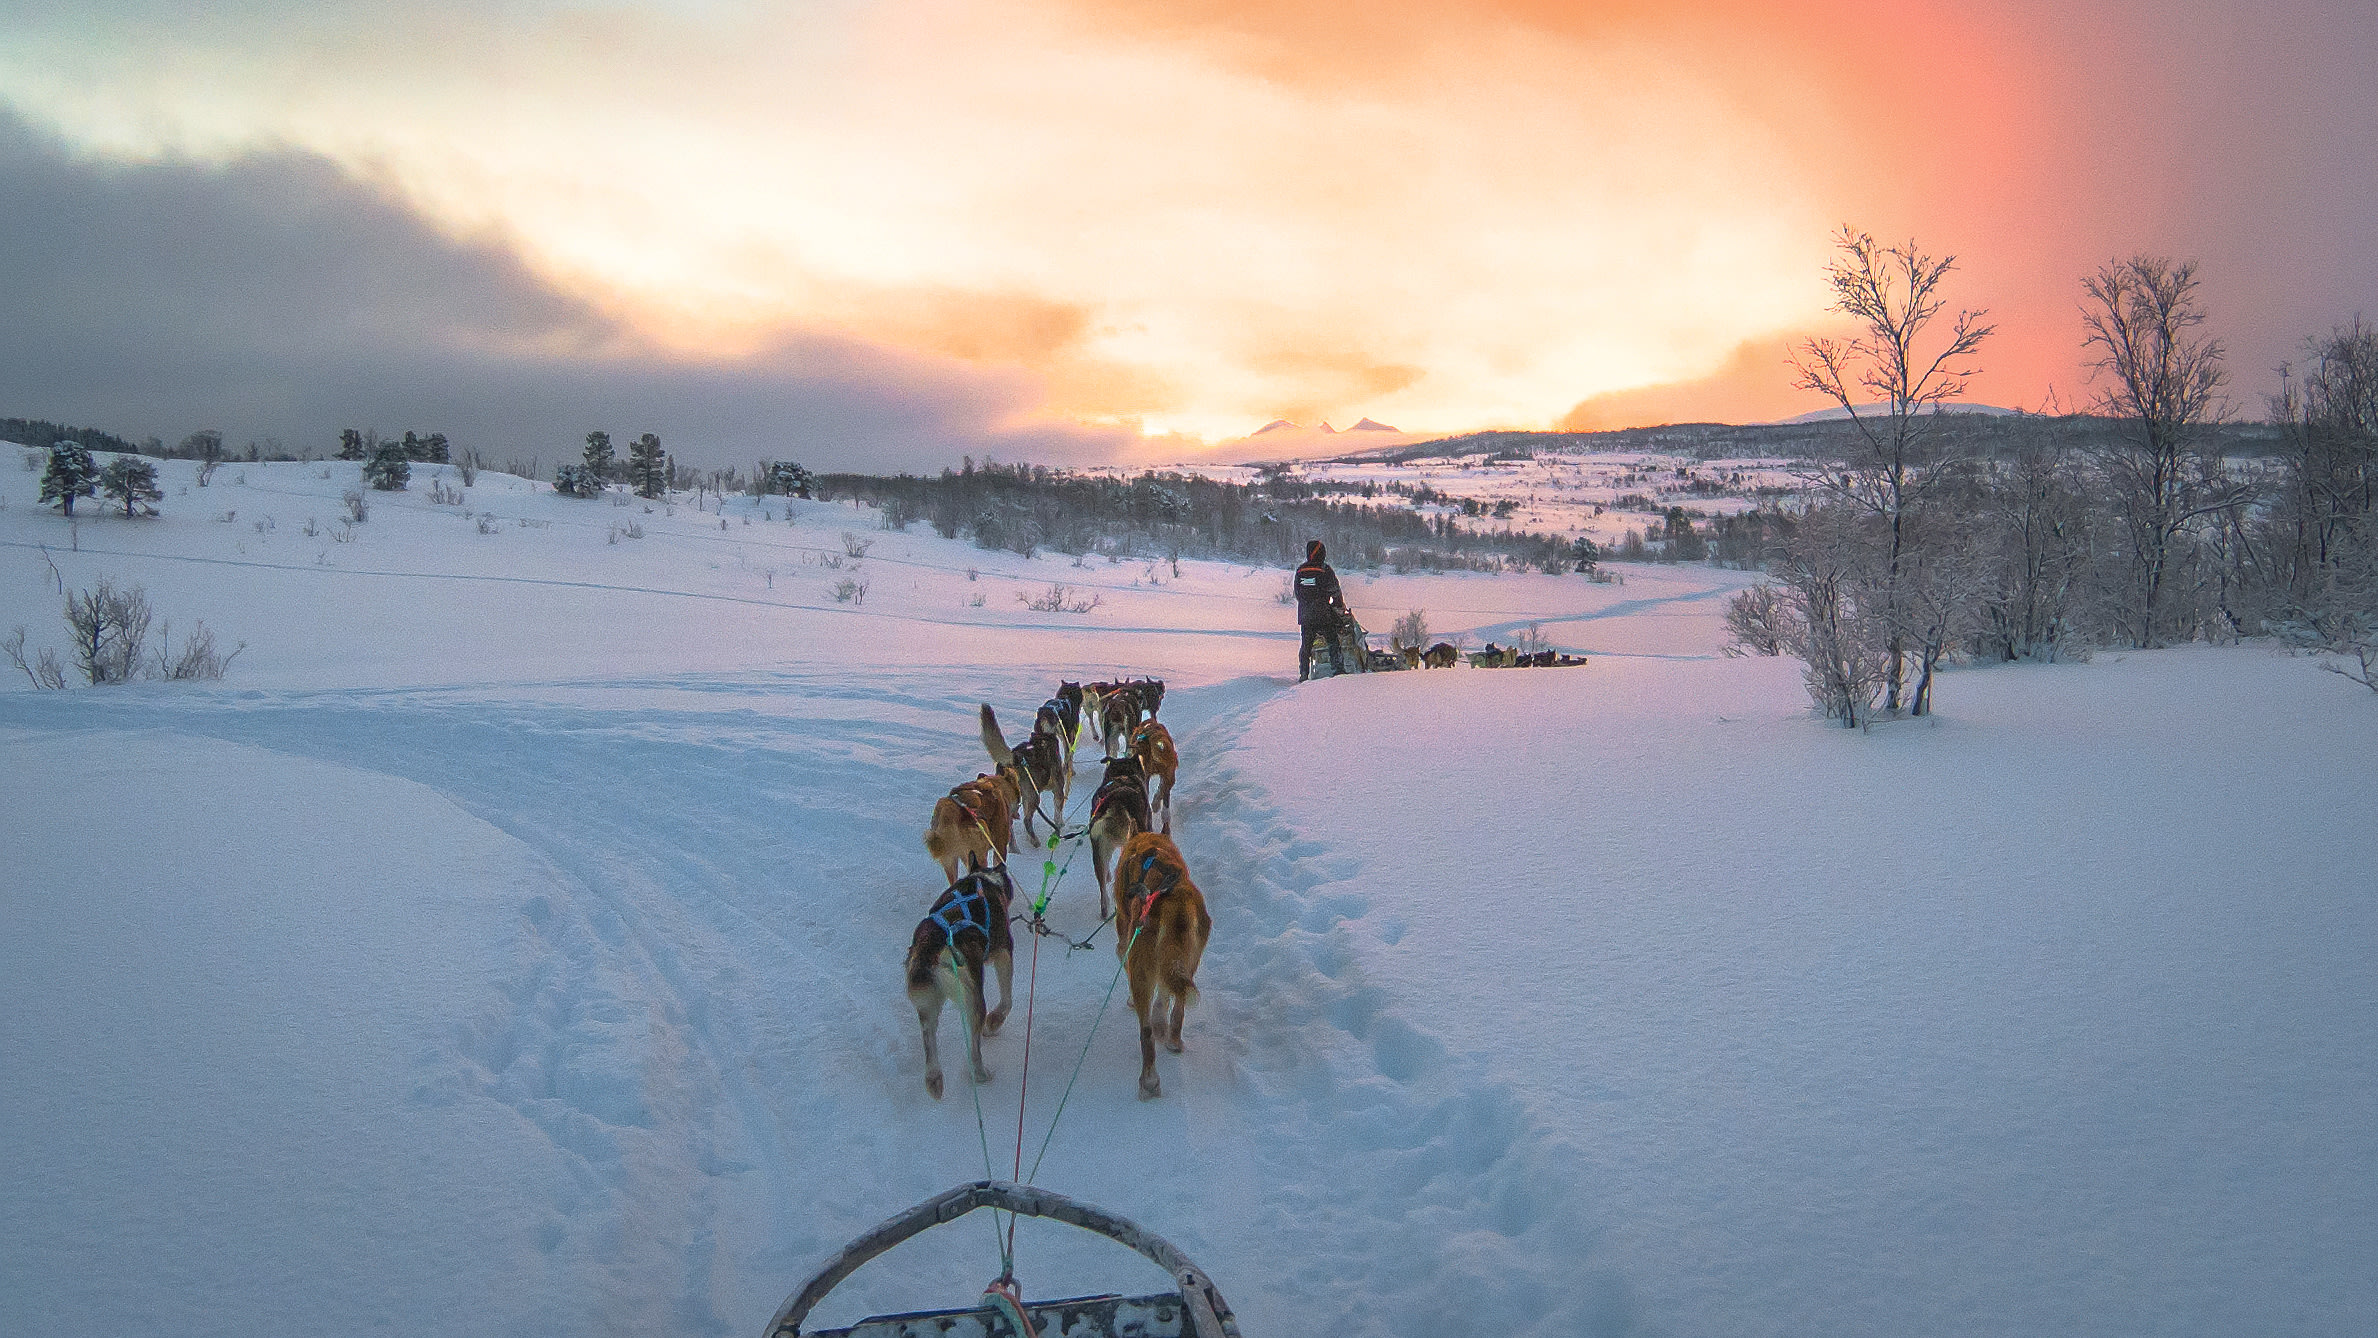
{"type": "Point", "coordinates": [1197, 1310]}
{"type": "Point", "coordinates": [1352, 642]}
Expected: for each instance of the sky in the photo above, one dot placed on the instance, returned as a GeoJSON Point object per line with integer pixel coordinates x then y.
{"type": "Point", "coordinates": [879, 235]}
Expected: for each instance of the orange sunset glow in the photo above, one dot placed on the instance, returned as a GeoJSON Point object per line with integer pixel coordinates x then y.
{"type": "Point", "coordinates": [1143, 228]}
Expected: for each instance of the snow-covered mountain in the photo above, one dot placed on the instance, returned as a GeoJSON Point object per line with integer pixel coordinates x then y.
{"type": "Point", "coordinates": [1836, 413]}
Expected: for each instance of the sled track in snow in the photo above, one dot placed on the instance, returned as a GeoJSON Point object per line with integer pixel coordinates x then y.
{"type": "Point", "coordinates": [705, 1022]}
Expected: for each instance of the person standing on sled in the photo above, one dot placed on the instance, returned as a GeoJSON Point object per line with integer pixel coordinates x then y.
{"type": "Point", "coordinates": [1319, 606]}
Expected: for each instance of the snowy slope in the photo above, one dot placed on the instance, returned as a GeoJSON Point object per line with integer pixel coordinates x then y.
{"type": "Point", "coordinates": [511, 945]}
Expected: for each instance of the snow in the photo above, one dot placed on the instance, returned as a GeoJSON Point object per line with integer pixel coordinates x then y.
{"type": "Point", "coordinates": [511, 944]}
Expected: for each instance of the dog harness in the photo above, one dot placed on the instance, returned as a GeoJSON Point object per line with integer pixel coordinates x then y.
{"type": "Point", "coordinates": [1112, 791]}
{"type": "Point", "coordinates": [1147, 900]}
{"type": "Point", "coordinates": [969, 907]}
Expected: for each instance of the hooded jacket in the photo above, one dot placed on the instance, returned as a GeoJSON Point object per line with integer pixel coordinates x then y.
{"type": "Point", "coordinates": [1317, 593]}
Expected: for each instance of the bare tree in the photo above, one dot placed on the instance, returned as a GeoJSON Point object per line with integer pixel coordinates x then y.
{"type": "Point", "coordinates": [1835, 628]}
{"type": "Point", "coordinates": [1937, 603]}
{"type": "Point", "coordinates": [2323, 527]}
{"type": "Point", "coordinates": [1892, 388]}
{"type": "Point", "coordinates": [2039, 546]}
{"type": "Point", "coordinates": [2162, 380]}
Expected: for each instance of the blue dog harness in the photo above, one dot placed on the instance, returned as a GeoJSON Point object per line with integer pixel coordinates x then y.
{"type": "Point", "coordinates": [968, 908]}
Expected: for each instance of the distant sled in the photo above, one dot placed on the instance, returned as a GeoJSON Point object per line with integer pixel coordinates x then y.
{"type": "Point", "coordinates": [1353, 644]}
{"type": "Point", "coordinates": [1197, 1310]}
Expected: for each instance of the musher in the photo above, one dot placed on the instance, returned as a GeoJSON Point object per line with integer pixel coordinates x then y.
{"type": "Point", "coordinates": [1320, 605]}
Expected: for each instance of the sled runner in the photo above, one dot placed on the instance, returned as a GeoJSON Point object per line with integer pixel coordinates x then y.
{"type": "Point", "coordinates": [1195, 1311]}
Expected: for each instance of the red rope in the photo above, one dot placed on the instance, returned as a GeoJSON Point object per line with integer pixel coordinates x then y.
{"type": "Point", "coordinates": [1024, 1086]}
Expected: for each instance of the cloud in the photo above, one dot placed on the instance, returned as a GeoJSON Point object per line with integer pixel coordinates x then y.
{"type": "Point", "coordinates": [1147, 220]}
{"type": "Point", "coordinates": [276, 294]}
{"type": "Point", "coordinates": [1752, 386]}
{"type": "Point", "coordinates": [1127, 210]}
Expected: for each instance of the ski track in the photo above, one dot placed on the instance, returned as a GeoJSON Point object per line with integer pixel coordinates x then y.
{"type": "Point", "coordinates": [740, 855]}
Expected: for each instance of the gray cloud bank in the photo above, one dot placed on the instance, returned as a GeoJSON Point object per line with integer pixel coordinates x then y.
{"type": "Point", "coordinates": [277, 295]}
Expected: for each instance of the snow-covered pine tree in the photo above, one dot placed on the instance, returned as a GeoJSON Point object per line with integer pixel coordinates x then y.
{"type": "Point", "coordinates": [599, 459]}
{"type": "Point", "coordinates": [132, 481]}
{"type": "Point", "coordinates": [648, 466]}
{"type": "Point", "coordinates": [789, 479]}
{"type": "Point", "coordinates": [350, 444]}
{"type": "Point", "coordinates": [388, 470]}
{"type": "Point", "coordinates": [71, 474]}
{"type": "Point", "coordinates": [576, 480]}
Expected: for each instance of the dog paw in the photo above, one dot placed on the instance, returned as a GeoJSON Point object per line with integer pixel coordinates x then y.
{"type": "Point", "coordinates": [993, 1022]}
{"type": "Point", "coordinates": [933, 1083]}
{"type": "Point", "coordinates": [1173, 1043]}
{"type": "Point", "coordinates": [1150, 1088]}
{"type": "Point", "coordinates": [981, 1075]}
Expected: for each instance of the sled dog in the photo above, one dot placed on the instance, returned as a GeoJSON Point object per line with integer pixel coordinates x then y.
{"type": "Point", "coordinates": [966, 928]}
{"type": "Point", "coordinates": [975, 819]}
{"type": "Point", "coordinates": [1118, 812]}
{"type": "Point", "coordinates": [1161, 928]}
{"type": "Point", "coordinates": [1059, 719]}
{"type": "Point", "coordinates": [1151, 743]}
{"type": "Point", "coordinates": [1039, 767]}
{"type": "Point", "coordinates": [1117, 719]}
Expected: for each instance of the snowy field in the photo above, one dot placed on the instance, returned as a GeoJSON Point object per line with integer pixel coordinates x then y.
{"type": "Point", "coordinates": [511, 945]}
{"type": "Point", "coordinates": [1598, 495]}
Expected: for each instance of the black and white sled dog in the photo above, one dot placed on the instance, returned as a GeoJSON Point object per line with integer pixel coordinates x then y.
{"type": "Point", "coordinates": [966, 930]}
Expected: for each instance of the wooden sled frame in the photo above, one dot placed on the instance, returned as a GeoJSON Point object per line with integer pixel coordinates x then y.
{"type": "Point", "coordinates": [1208, 1314]}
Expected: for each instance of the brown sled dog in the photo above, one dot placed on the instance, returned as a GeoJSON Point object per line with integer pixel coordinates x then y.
{"type": "Point", "coordinates": [966, 928]}
{"type": "Point", "coordinates": [1039, 767]}
{"type": "Point", "coordinates": [1118, 812]}
{"type": "Point", "coordinates": [1151, 743]}
{"type": "Point", "coordinates": [975, 820]}
{"type": "Point", "coordinates": [1116, 719]}
{"type": "Point", "coordinates": [1161, 928]}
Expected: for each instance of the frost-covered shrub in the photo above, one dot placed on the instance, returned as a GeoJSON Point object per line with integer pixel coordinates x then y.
{"type": "Point", "coordinates": [198, 660]}
{"type": "Point", "coordinates": [109, 627]}
{"type": "Point", "coordinates": [1758, 621]}
{"type": "Point", "coordinates": [1057, 599]}
{"type": "Point", "coordinates": [43, 669]}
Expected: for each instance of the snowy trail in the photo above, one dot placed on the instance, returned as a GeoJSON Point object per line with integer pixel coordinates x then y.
{"type": "Point", "coordinates": [701, 1020]}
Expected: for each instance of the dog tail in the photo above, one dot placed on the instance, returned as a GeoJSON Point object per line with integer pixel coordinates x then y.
{"type": "Point", "coordinates": [945, 818]}
{"type": "Point", "coordinates": [1177, 979]}
{"type": "Point", "coordinates": [992, 742]}
{"type": "Point", "coordinates": [924, 956]}
{"type": "Point", "coordinates": [954, 972]}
